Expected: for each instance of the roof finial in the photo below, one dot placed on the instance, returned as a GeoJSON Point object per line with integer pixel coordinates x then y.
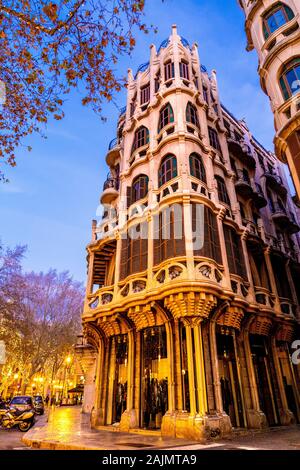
{"type": "Point", "coordinates": [174, 29]}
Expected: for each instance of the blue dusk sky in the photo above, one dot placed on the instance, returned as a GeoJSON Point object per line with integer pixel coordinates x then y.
{"type": "Point", "coordinates": [54, 191]}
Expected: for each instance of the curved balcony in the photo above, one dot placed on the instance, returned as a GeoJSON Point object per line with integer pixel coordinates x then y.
{"type": "Point", "coordinates": [276, 183]}
{"type": "Point", "coordinates": [113, 153]}
{"type": "Point", "coordinates": [264, 297]}
{"type": "Point", "coordinates": [279, 214]}
{"type": "Point", "coordinates": [241, 150]}
{"type": "Point", "coordinates": [254, 231]}
{"type": "Point", "coordinates": [287, 306]}
{"type": "Point", "coordinates": [285, 218]}
{"type": "Point", "coordinates": [259, 198]}
{"type": "Point", "coordinates": [110, 190]}
{"type": "Point", "coordinates": [243, 184]}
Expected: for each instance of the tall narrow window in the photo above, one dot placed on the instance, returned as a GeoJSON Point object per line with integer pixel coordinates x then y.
{"type": "Point", "coordinates": [214, 139]}
{"type": "Point", "coordinates": [277, 17]}
{"type": "Point", "coordinates": [169, 240]}
{"type": "Point", "coordinates": [169, 71]}
{"type": "Point", "coordinates": [290, 78]}
{"type": "Point", "coordinates": [211, 241]}
{"type": "Point", "coordinates": [166, 116]}
{"type": "Point", "coordinates": [184, 70]}
{"type": "Point", "coordinates": [167, 169]}
{"type": "Point", "coordinates": [141, 138]}
{"type": "Point", "coordinates": [191, 114]}
{"type": "Point", "coordinates": [222, 190]}
{"type": "Point", "coordinates": [134, 251]}
{"type": "Point", "coordinates": [234, 252]}
{"type": "Point", "coordinates": [145, 94]}
{"type": "Point", "coordinates": [197, 168]}
{"type": "Point", "coordinates": [139, 188]}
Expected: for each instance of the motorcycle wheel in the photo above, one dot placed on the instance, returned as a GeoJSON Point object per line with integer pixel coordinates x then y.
{"type": "Point", "coordinates": [24, 426]}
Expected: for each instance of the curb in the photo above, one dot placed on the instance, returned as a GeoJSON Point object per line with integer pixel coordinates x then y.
{"type": "Point", "coordinates": [42, 444]}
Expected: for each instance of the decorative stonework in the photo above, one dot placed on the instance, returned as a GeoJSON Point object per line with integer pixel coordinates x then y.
{"type": "Point", "coordinates": [232, 317]}
{"type": "Point", "coordinates": [285, 333]}
{"type": "Point", "coordinates": [192, 304]}
{"type": "Point", "coordinates": [261, 326]}
{"type": "Point", "coordinates": [112, 325]}
{"type": "Point", "coordinates": [142, 316]}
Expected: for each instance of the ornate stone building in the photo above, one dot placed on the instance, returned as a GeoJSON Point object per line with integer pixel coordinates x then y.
{"type": "Point", "coordinates": [272, 28]}
{"type": "Point", "coordinates": [190, 311]}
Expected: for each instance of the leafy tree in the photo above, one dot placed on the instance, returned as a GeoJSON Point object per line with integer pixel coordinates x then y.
{"type": "Point", "coordinates": [40, 317]}
{"type": "Point", "coordinates": [49, 47]}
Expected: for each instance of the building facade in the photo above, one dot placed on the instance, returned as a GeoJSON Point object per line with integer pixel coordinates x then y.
{"type": "Point", "coordinates": [272, 28]}
{"type": "Point", "coordinates": [193, 290]}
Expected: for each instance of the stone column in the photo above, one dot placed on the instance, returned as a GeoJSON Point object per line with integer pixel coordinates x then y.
{"type": "Point", "coordinates": [191, 370]}
{"type": "Point", "coordinates": [88, 363]}
{"type": "Point", "coordinates": [178, 368]}
{"type": "Point", "coordinates": [199, 359]}
{"type": "Point", "coordinates": [95, 417]}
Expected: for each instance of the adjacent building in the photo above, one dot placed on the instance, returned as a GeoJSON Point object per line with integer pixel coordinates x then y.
{"type": "Point", "coordinates": [193, 291]}
{"type": "Point", "coordinates": [272, 28]}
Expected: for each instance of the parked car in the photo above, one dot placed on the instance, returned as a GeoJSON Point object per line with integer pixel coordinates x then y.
{"type": "Point", "coordinates": [38, 404]}
{"type": "Point", "coordinates": [22, 403]}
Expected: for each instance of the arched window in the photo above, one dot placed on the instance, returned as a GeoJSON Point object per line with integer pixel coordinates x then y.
{"type": "Point", "coordinates": [141, 138]}
{"type": "Point", "coordinates": [167, 169]}
{"type": "Point", "coordinates": [275, 18]}
{"type": "Point", "coordinates": [222, 190]}
{"type": "Point", "coordinates": [166, 116]}
{"type": "Point", "coordinates": [214, 139]}
{"type": "Point", "coordinates": [290, 78]}
{"type": "Point", "coordinates": [139, 188]}
{"type": "Point", "coordinates": [191, 114]}
{"type": "Point", "coordinates": [197, 168]}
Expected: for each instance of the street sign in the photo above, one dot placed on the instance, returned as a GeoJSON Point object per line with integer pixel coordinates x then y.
{"type": "Point", "coordinates": [2, 352]}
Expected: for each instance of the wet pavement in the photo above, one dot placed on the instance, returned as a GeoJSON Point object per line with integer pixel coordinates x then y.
{"type": "Point", "coordinates": [68, 428]}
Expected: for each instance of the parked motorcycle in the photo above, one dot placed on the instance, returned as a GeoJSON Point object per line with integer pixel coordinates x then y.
{"type": "Point", "coordinates": [23, 419]}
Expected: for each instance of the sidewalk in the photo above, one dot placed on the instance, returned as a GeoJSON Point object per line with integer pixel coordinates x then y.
{"type": "Point", "coordinates": [67, 428]}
